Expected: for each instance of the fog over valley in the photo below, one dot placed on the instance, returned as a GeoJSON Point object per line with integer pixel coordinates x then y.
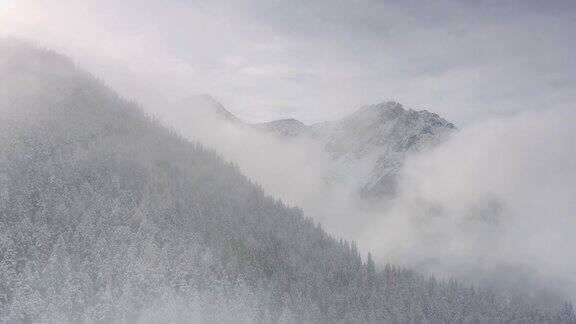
{"type": "Point", "coordinates": [287, 162]}
{"type": "Point", "coordinates": [462, 206]}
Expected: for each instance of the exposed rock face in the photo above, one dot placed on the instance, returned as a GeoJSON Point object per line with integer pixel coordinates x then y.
{"type": "Point", "coordinates": [366, 148]}
{"type": "Point", "coordinates": [369, 146]}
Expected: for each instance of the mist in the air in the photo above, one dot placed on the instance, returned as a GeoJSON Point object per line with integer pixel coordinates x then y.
{"type": "Point", "coordinates": [492, 205]}
{"type": "Point", "coordinates": [498, 197]}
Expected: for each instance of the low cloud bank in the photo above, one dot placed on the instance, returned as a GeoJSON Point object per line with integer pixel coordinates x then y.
{"type": "Point", "coordinates": [293, 171]}
{"type": "Point", "coordinates": [496, 203]}
{"type": "Point", "coordinates": [493, 205]}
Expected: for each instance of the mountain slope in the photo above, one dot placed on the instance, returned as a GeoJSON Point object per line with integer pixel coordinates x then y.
{"type": "Point", "coordinates": [207, 107]}
{"type": "Point", "coordinates": [107, 216]}
{"type": "Point", "coordinates": [368, 147]}
{"type": "Point", "coordinates": [285, 128]}
{"type": "Point", "coordinates": [372, 143]}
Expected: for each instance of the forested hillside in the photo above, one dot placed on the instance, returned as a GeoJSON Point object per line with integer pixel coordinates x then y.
{"type": "Point", "coordinates": [107, 216]}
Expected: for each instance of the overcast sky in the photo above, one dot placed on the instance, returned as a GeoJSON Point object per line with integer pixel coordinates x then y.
{"type": "Point", "coordinates": [317, 60]}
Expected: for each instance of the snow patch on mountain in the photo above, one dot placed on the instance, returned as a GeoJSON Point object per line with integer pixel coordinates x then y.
{"type": "Point", "coordinates": [368, 147]}
{"type": "Point", "coordinates": [285, 128]}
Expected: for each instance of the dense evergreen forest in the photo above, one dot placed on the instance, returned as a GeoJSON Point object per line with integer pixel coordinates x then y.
{"type": "Point", "coordinates": [107, 216]}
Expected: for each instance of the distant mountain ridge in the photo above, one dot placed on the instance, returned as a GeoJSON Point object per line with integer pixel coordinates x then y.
{"type": "Point", "coordinates": [209, 107]}
{"type": "Point", "coordinates": [368, 147]}
{"type": "Point", "coordinates": [285, 128]}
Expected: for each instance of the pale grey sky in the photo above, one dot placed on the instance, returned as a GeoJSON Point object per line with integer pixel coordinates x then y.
{"type": "Point", "coordinates": [317, 60]}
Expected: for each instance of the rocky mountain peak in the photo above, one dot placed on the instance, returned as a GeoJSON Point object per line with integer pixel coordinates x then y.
{"type": "Point", "coordinates": [368, 147]}
{"type": "Point", "coordinates": [383, 110]}
{"type": "Point", "coordinates": [285, 128]}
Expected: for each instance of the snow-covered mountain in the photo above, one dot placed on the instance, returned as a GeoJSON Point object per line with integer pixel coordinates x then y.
{"type": "Point", "coordinates": [368, 147]}
{"type": "Point", "coordinates": [285, 128]}
{"type": "Point", "coordinates": [365, 149]}
{"type": "Point", "coordinates": [106, 216]}
{"type": "Point", "coordinates": [206, 107]}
